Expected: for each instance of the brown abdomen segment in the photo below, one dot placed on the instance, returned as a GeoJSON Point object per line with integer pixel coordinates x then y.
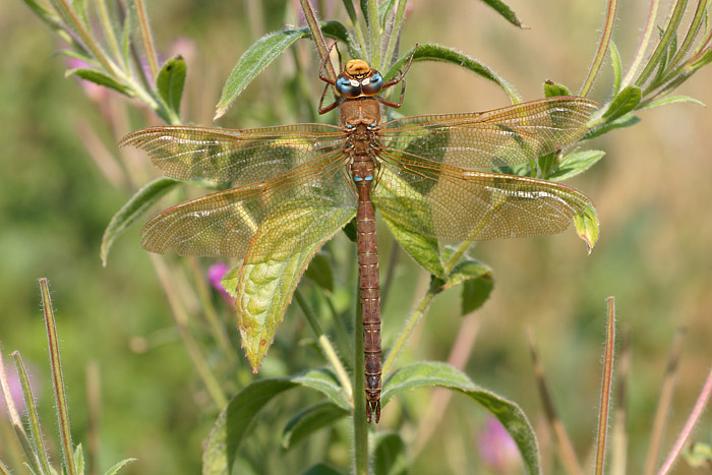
{"type": "Point", "coordinates": [370, 295]}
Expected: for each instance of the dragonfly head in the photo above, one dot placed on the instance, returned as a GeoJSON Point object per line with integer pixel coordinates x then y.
{"type": "Point", "coordinates": [359, 80]}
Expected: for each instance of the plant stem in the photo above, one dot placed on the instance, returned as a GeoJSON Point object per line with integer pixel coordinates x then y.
{"type": "Point", "coordinates": [686, 432]}
{"type": "Point", "coordinates": [691, 34]}
{"type": "Point", "coordinates": [374, 29]}
{"type": "Point", "coordinates": [602, 48]}
{"type": "Point", "coordinates": [109, 31]}
{"type": "Point", "coordinates": [359, 417]}
{"type": "Point", "coordinates": [606, 385]}
{"type": "Point", "coordinates": [395, 32]}
{"type": "Point", "coordinates": [147, 38]}
{"type": "Point", "coordinates": [57, 379]}
{"type": "Point", "coordinates": [644, 42]}
{"type": "Point", "coordinates": [326, 347]}
{"type": "Point", "coordinates": [670, 30]}
{"type": "Point", "coordinates": [318, 37]}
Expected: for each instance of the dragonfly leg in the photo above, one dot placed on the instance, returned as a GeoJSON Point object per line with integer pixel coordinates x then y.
{"type": "Point", "coordinates": [322, 66]}
{"type": "Point", "coordinates": [394, 105]}
{"type": "Point", "coordinates": [324, 109]}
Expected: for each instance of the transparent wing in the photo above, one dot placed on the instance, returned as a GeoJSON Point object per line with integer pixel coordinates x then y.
{"type": "Point", "coordinates": [307, 204]}
{"type": "Point", "coordinates": [454, 205]}
{"type": "Point", "coordinates": [233, 156]}
{"type": "Point", "coordinates": [490, 141]}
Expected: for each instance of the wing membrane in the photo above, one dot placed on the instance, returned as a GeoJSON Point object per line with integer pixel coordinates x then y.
{"type": "Point", "coordinates": [304, 203]}
{"type": "Point", "coordinates": [490, 141]}
{"type": "Point", "coordinates": [455, 205]}
{"type": "Point", "coordinates": [233, 156]}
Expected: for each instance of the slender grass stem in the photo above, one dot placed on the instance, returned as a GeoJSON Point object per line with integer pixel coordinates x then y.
{"type": "Point", "coordinates": [692, 31]}
{"type": "Point", "coordinates": [374, 29]}
{"type": "Point", "coordinates": [697, 410]}
{"type": "Point", "coordinates": [664, 403]}
{"type": "Point", "coordinates": [395, 32]}
{"type": "Point", "coordinates": [325, 344]}
{"type": "Point", "coordinates": [604, 406]}
{"type": "Point", "coordinates": [109, 31]}
{"type": "Point", "coordinates": [147, 37]}
{"type": "Point", "coordinates": [32, 415]}
{"type": "Point", "coordinates": [57, 379]}
{"type": "Point", "coordinates": [318, 37]}
{"type": "Point", "coordinates": [602, 48]}
{"type": "Point", "coordinates": [644, 43]}
{"type": "Point", "coordinates": [359, 418]}
{"type": "Point", "coordinates": [670, 30]}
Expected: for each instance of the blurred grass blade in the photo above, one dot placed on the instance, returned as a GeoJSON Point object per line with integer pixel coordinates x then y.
{"type": "Point", "coordinates": [662, 412]}
{"type": "Point", "coordinates": [626, 101]}
{"type": "Point", "coordinates": [619, 439]}
{"type": "Point", "coordinates": [565, 448]}
{"type": "Point", "coordinates": [133, 209]}
{"type": "Point", "coordinates": [170, 82]}
{"type": "Point", "coordinates": [116, 468]}
{"type": "Point", "coordinates": [261, 54]}
{"type": "Point", "coordinates": [128, 30]}
{"type": "Point", "coordinates": [604, 404]}
{"type": "Point", "coordinates": [434, 52]}
{"type": "Point", "coordinates": [100, 79]}
{"type": "Point", "coordinates": [576, 163]}
{"type": "Point", "coordinates": [617, 66]}
{"type": "Point", "coordinates": [60, 395]}
{"type": "Point", "coordinates": [389, 455]}
{"type": "Point", "coordinates": [435, 374]}
{"type": "Point", "coordinates": [310, 420]}
{"type": "Point", "coordinates": [36, 438]}
{"type": "Point", "coordinates": [233, 424]}
{"type": "Point", "coordinates": [697, 410]}
{"type": "Point", "coordinates": [503, 9]}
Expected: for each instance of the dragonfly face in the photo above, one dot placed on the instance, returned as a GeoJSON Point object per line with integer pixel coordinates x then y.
{"type": "Point", "coordinates": [291, 188]}
{"type": "Point", "coordinates": [359, 80]}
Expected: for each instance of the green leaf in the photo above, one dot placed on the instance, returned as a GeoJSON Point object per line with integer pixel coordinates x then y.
{"type": "Point", "coordinates": [703, 60]}
{"type": "Point", "coordinates": [233, 424]}
{"type": "Point", "coordinates": [435, 374]}
{"type": "Point", "coordinates": [101, 79]}
{"type": "Point", "coordinates": [667, 100]}
{"type": "Point", "coordinates": [617, 66]}
{"type": "Point", "coordinates": [554, 89]}
{"type": "Point", "coordinates": [320, 271]}
{"type": "Point", "coordinates": [586, 223]}
{"type": "Point", "coordinates": [116, 468]}
{"type": "Point", "coordinates": [389, 455]}
{"type": "Point", "coordinates": [133, 209]}
{"type": "Point", "coordinates": [261, 54]}
{"type": "Point", "coordinates": [500, 7]}
{"type": "Point", "coordinates": [321, 469]}
{"type": "Point", "coordinates": [79, 459]}
{"type": "Point", "coordinates": [475, 293]}
{"type": "Point", "coordinates": [434, 52]}
{"type": "Point", "coordinates": [465, 270]}
{"type": "Point", "coordinates": [626, 100]}
{"type": "Point", "coordinates": [170, 82]}
{"type": "Point", "coordinates": [310, 420]}
{"type": "Point", "coordinates": [575, 163]}
{"type": "Point", "coordinates": [627, 120]}
{"type": "Point", "coordinates": [41, 10]}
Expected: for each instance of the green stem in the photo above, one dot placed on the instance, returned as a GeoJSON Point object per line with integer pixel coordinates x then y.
{"type": "Point", "coordinates": [318, 37]}
{"type": "Point", "coordinates": [691, 34]}
{"type": "Point", "coordinates": [395, 31]}
{"type": "Point", "coordinates": [147, 37]}
{"type": "Point", "coordinates": [660, 49]}
{"type": "Point", "coordinates": [109, 31]}
{"type": "Point", "coordinates": [60, 396]}
{"type": "Point", "coordinates": [644, 42]}
{"type": "Point", "coordinates": [359, 417]}
{"type": "Point", "coordinates": [374, 30]}
{"type": "Point", "coordinates": [325, 344]}
{"type": "Point", "coordinates": [602, 48]}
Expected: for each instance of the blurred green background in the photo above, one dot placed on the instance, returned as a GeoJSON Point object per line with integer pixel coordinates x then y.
{"type": "Point", "coordinates": [652, 192]}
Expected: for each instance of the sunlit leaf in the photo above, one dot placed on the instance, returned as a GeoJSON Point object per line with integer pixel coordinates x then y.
{"type": "Point", "coordinates": [617, 66]}
{"type": "Point", "coordinates": [575, 163]}
{"type": "Point", "coordinates": [586, 223]}
{"type": "Point", "coordinates": [389, 455]}
{"type": "Point", "coordinates": [133, 209]}
{"type": "Point", "coordinates": [261, 54]}
{"type": "Point", "coordinates": [434, 52]}
{"type": "Point", "coordinates": [170, 82]}
{"type": "Point", "coordinates": [310, 420]}
{"type": "Point", "coordinates": [233, 423]}
{"type": "Point", "coordinates": [554, 89]}
{"type": "Point", "coordinates": [624, 102]}
{"type": "Point", "coordinates": [101, 79]}
{"type": "Point", "coordinates": [435, 374]}
{"type": "Point", "coordinates": [503, 9]}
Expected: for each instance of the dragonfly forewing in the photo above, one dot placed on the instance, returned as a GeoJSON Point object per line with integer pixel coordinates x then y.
{"type": "Point", "coordinates": [235, 157]}
{"type": "Point", "coordinates": [498, 140]}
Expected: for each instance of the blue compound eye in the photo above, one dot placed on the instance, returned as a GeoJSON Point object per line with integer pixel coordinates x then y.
{"type": "Point", "coordinates": [374, 84]}
{"type": "Point", "coordinates": [347, 88]}
{"type": "Point", "coordinates": [358, 178]}
{"type": "Point", "coordinates": [369, 178]}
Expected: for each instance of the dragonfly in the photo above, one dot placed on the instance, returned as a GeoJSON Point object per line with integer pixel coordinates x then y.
{"type": "Point", "coordinates": [443, 177]}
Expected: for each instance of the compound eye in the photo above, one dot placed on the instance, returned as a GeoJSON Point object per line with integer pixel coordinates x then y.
{"type": "Point", "coordinates": [374, 84]}
{"type": "Point", "coordinates": [347, 88]}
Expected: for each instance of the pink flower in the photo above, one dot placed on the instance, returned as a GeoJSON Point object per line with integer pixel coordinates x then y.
{"type": "Point", "coordinates": [216, 272]}
{"type": "Point", "coordinates": [497, 449]}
